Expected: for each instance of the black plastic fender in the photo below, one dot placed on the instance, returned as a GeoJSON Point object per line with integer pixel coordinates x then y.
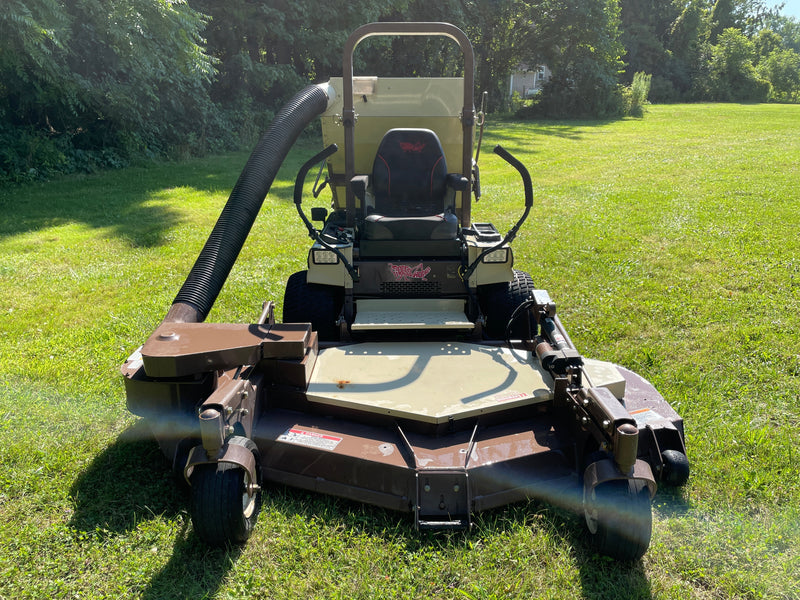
{"type": "Point", "coordinates": [230, 453]}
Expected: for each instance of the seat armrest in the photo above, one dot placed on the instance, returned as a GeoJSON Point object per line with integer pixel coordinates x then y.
{"type": "Point", "coordinates": [457, 182]}
{"type": "Point", "coordinates": [359, 183]}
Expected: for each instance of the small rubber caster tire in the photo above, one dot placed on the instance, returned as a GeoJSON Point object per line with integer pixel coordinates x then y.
{"type": "Point", "coordinates": [619, 518]}
{"type": "Point", "coordinates": [675, 469]}
{"type": "Point", "coordinates": [223, 512]}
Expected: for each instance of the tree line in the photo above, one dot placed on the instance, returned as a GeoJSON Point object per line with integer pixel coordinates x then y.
{"type": "Point", "coordinates": [88, 84]}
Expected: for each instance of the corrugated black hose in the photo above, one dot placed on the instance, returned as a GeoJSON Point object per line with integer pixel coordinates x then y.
{"type": "Point", "coordinates": [208, 275]}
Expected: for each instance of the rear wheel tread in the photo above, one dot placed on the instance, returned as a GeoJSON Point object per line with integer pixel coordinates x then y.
{"type": "Point", "coordinates": [499, 300]}
{"type": "Point", "coordinates": [319, 305]}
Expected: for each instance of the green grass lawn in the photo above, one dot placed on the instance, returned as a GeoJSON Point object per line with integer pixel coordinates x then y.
{"type": "Point", "coordinates": [671, 245]}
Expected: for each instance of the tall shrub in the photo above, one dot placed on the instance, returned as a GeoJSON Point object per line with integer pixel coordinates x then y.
{"type": "Point", "coordinates": [94, 82]}
{"type": "Point", "coordinates": [640, 90]}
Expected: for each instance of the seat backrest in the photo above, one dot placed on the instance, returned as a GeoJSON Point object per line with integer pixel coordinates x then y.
{"type": "Point", "coordinates": [409, 174]}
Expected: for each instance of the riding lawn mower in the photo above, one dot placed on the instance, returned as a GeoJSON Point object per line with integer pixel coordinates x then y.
{"type": "Point", "coordinates": [414, 368]}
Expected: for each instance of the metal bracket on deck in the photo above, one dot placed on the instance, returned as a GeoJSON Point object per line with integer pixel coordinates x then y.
{"type": "Point", "coordinates": [443, 499]}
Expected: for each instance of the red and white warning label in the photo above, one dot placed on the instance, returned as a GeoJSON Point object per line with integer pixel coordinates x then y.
{"type": "Point", "coordinates": [509, 396]}
{"type": "Point", "coordinates": [312, 439]}
{"type": "Point", "coordinates": [643, 416]}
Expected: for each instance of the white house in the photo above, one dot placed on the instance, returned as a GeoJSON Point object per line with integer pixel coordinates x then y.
{"type": "Point", "coordinates": [527, 81]}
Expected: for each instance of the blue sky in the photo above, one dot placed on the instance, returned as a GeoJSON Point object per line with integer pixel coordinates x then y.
{"type": "Point", "coordinates": [792, 8]}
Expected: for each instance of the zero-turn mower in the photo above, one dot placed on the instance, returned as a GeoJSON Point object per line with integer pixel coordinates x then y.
{"type": "Point", "coordinates": [414, 368]}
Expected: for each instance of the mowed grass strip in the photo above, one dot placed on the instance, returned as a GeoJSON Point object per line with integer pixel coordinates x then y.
{"type": "Point", "coordinates": [670, 246]}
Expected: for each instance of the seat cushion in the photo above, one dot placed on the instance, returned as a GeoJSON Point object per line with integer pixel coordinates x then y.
{"type": "Point", "coordinates": [443, 226]}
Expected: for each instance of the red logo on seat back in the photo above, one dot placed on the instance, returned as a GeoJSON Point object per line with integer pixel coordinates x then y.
{"type": "Point", "coordinates": [417, 147]}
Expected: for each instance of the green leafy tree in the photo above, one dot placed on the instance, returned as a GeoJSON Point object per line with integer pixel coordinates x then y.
{"type": "Point", "coordinates": [142, 66]}
{"type": "Point", "coordinates": [781, 68]}
{"type": "Point", "coordinates": [267, 49]}
{"type": "Point", "coordinates": [579, 41]}
{"type": "Point", "coordinates": [788, 28]}
{"type": "Point", "coordinates": [688, 47]}
{"type": "Point", "coordinates": [778, 49]}
{"type": "Point", "coordinates": [34, 72]}
{"type": "Point", "coordinates": [755, 14]}
{"type": "Point", "coordinates": [645, 26]}
{"type": "Point", "coordinates": [499, 29]}
{"type": "Point", "coordinates": [725, 14]}
{"type": "Point", "coordinates": [685, 45]}
{"type": "Point", "coordinates": [731, 73]}
{"type": "Point", "coordinates": [89, 82]}
{"type": "Point", "coordinates": [661, 38]}
{"type": "Point", "coordinates": [766, 42]}
{"type": "Point", "coordinates": [749, 16]}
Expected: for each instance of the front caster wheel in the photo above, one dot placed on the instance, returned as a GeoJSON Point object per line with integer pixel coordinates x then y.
{"type": "Point", "coordinates": [225, 503]}
{"type": "Point", "coordinates": [675, 471]}
{"type": "Point", "coordinates": [619, 518]}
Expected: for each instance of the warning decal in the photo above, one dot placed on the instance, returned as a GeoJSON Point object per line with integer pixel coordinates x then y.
{"type": "Point", "coordinates": [645, 415]}
{"type": "Point", "coordinates": [312, 439]}
{"type": "Point", "coordinates": [509, 396]}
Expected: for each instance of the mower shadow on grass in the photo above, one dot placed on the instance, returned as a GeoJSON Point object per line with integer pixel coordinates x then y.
{"type": "Point", "coordinates": [194, 570]}
{"type": "Point", "coordinates": [599, 576]}
{"type": "Point", "coordinates": [127, 483]}
{"type": "Point", "coordinates": [130, 483]}
{"type": "Point", "coordinates": [544, 128]}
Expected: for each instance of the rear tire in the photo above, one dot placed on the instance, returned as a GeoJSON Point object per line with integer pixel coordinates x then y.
{"type": "Point", "coordinates": [619, 518]}
{"type": "Point", "coordinates": [498, 302]}
{"type": "Point", "coordinates": [319, 305]}
{"type": "Point", "coordinates": [223, 513]}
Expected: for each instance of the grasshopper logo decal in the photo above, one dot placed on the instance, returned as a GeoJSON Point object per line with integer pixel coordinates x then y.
{"type": "Point", "coordinates": [409, 273]}
{"type": "Point", "coordinates": [417, 147]}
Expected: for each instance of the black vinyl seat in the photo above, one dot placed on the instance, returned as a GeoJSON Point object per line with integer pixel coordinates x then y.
{"type": "Point", "coordinates": [412, 191]}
